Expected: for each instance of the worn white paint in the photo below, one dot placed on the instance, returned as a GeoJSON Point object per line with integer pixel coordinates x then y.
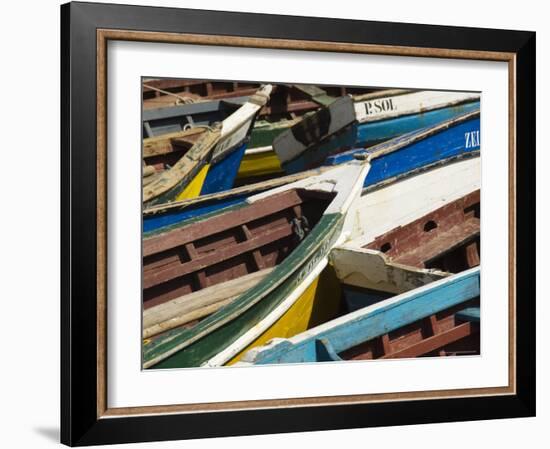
{"type": "Point", "coordinates": [251, 355]}
{"type": "Point", "coordinates": [236, 126]}
{"type": "Point", "coordinates": [184, 309]}
{"type": "Point", "coordinates": [371, 269]}
{"type": "Point", "coordinates": [406, 104]}
{"type": "Point", "coordinates": [404, 201]}
{"type": "Point", "coordinates": [346, 179]}
{"type": "Point", "coordinates": [253, 333]}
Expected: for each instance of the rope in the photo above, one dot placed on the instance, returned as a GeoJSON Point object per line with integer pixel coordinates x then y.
{"type": "Point", "coordinates": [185, 100]}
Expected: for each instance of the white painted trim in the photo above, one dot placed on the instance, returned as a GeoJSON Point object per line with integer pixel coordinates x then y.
{"type": "Point", "coordinates": [382, 210]}
{"type": "Point", "coordinates": [406, 104]}
{"type": "Point", "coordinates": [259, 150]}
{"type": "Point", "coordinates": [242, 342]}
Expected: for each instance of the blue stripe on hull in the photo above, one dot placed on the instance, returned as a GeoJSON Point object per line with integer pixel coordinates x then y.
{"type": "Point", "coordinates": [221, 175]}
{"type": "Point", "coordinates": [444, 145]}
{"type": "Point", "coordinates": [368, 134]}
{"type": "Point", "coordinates": [157, 221]}
{"type": "Point", "coordinates": [448, 143]}
{"type": "Point", "coordinates": [359, 328]}
{"type": "Point", "coordinates": [374, 132]}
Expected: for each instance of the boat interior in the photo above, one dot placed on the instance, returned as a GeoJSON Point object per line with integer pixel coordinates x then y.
{"type": "Point", "coordinates": [450, 332]}
{"type": "Point", "coordinates": [190, 273]}
{"type": "Point", "coordinates": [446, 240]}
{"type": "Point", "coordinates": [228, 246]}
{"type": "Point", "coordinates": [163, 152]}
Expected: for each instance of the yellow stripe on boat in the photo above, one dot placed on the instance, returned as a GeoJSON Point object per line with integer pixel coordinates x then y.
{"type": "Point", "coordinates": [319, 303]}
{"type": "Point", "coordinates": [259, 164]}
{"type": "Point", "coordinates": [194, 188]}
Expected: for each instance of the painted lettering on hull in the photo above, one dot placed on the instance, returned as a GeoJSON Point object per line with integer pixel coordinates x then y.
{"type": "Point", "coordinates": [377, 106]}
{"type": "Point", "coordinates": [471, 139]}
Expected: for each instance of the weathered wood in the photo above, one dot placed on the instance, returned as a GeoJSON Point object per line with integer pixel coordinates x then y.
{"type": "Point", "coordinates": [213, 146]}
{"type": "Point", "coordinates": [443, 243]}
{"type": "Point", "coordinates": [221, 336]}
{"type": "Point", "coordinates": [433, 343]}
{"type": "Point", "coordinates": [174, 180]}
{"type": "Point", "coordinates": [449, 230]}
{"type": "Point", "coordinates": [373, 322]}
{"type": "Point", "coordinates": [168, 143]}
{"type": "Point", "coordinates": [370, 269]}
{"type": "Point", "coordinates": [195, 231]}
{"type": "Point", "coordinates": [290, 144]}
{"type": "Point", "coordinates": [185, 309]}
{"type": "Point", "coordinates": [150, 279]}
{"type": "Point", "coordinates": [390, 106]}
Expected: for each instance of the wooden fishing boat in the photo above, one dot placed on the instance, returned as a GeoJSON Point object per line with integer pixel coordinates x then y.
{"type": "Point", "coordinates": [441, 318]}
{"type": "Point", "coordinates": [372, 108]}
{"type": "Point", "coordinates": [445, 240]}
{"type": "Point", "coordinates": [404, 235]}
{"type": "Point", "coordinates": [403, 113]}
{"type": "Point", "coordinates": [158, 122]}
{"type": "Point", "coordinates": [212, 162]}
{"type": "Point", "coordinates": [259, 159]}
{"type": "Point", "coordinates": [167, 92]}
{"type": "Point", "coordinates": [459, 136]}
{"type": "Point", "coordinates": [283, 111]}
{"type": "Point", "coordinates": [162, 217]}
{"type": "Point", "coordinates": [285, 103]}
{"type": "Point", "coordinates": [164, 151]}
{"type": "Point", "coordinates": [290, 99]}
{"type": "Point", "coordinates": [399, 157]}
{"type": "Point", "coordinates": [290, 229]}
{"type": "Point", "coordinates": [323, 301]}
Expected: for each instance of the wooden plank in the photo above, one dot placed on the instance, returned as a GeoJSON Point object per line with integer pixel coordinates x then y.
{"type": "Point", "coordinates": [391, 106]}
{"type": "Point", "coordinates": [177, 237]}
{"type": "Point", "coordinates": [366, 268]}
{"type": "Point", "coordinates": [200, 276]}
{"type": "Point", "coordinates": [435, 342]}
{"type": "Point", "coordinates": [196, 305]}
{"type": "Point", "coordinates": [200, 263]}
{"type": "Point", "coordinates": [472, 255]}
{"type": "Point", "coordinates": [256, 254]}
{"type": "Point", "coordinates": [373, 321]}
{"type": "Point", "coordinates": [386, 345]}
{"type": "Point", "coordinates": [441, 244]}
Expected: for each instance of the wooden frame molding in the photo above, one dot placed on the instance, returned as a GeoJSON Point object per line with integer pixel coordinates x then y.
{"type": "Point", "coordinates": [106, 35]}
{"type": "Point", "coordinates": [86, 30]}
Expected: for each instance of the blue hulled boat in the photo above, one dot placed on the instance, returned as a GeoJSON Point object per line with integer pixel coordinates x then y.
{"type": "Point", "coordinates": [364, 334]}
{"type": "Point", "coordinates": [401, 114]}
{"type": "Point", "coordinates": [439, 144]}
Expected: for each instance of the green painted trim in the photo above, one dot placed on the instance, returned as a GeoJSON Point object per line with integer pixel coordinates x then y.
{"type": "Point", "coordinates": [197, 345]}
{"type": "Point", "coordinates": [264, 132]}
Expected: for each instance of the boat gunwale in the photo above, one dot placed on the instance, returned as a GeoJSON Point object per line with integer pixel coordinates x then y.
{"type": "Point", "coordinates": [397, 143]}
{"type": "Point", "coordinates": [279, 346]}
{"type": "Point", "coordinates": [421, 110]}
{"type": "Point", "coordinates": [280, 274]}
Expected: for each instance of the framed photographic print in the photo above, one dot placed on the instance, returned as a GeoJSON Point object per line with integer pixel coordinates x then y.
{"type": "Point", "coordinates": [277, 224]}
